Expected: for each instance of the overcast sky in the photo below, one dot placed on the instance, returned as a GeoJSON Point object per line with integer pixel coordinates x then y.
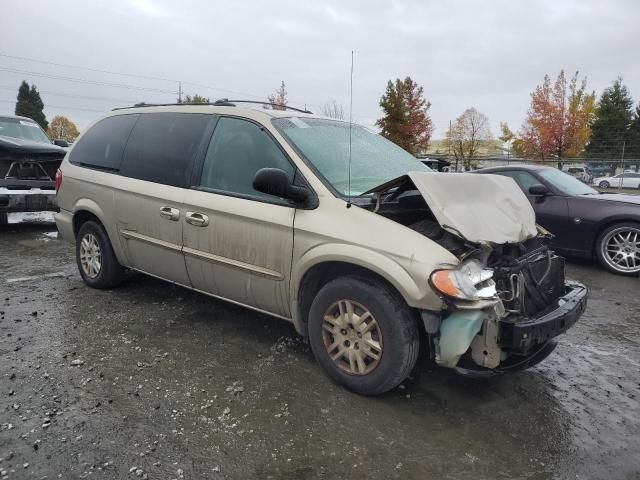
{"type": "Point", "coordinates": [486, 54]}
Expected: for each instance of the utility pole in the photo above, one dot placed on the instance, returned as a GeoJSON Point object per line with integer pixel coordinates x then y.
{"type": "Point", "coordinates": [179, 92]}
{"type": "Point", "coordinates": [624, 144]}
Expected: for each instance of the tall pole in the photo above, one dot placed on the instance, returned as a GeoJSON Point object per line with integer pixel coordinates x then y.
{"type": "Point", "coordinates": [624, 144]}
{"type": "Point", "coordinates": [179, 92]}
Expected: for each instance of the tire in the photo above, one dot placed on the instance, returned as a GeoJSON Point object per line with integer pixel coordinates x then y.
{"type": "Point", "coordinates": [4, 219]}
{"type": "Point", "coordinates": [93, 243]}
{"type": "Point", "coordinates": [390, 325]}
{"type": "Point", "coordinates": [604, 185]}
{"type": "Point", "coordinates": [618, 248]}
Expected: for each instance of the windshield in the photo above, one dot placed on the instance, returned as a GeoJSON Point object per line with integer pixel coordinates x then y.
{"type": "Point", "coordinates": [23, 129]}
{"type": "Point", "coordinates": [325, 144]}
{"type": "Point", "coordinates": [566, 183]}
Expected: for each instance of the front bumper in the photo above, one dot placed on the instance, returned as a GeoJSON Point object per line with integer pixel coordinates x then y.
{"type": "Point", "coordinates": [31, 200]}
{"type": "Point", "coordinates": [519, 335]}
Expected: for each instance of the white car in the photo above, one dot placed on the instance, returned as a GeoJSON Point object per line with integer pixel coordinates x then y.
{"type": "Point", "coordinates": [622, 180]}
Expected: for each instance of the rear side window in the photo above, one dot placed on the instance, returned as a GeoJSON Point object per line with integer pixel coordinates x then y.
{"type": "Point", "coordinates": [162, 146]}
{"type": "Point", "coordinates": [102, 145]}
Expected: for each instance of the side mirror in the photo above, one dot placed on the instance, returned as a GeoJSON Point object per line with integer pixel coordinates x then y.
{"type": "Point", "coordinates": [61, 143]}
{"type": "Point", "coordinates": [274, 181]}
{"type": "Point", "coordinates": [539, 189]}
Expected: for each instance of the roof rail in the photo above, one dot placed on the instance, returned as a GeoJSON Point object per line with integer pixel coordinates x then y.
{"type": "Point", "coordinates": [222, 102]}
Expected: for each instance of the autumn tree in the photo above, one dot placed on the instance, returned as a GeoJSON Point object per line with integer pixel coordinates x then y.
{"type": "Point", "coordinates": [62, 128]}
{"type": "Point", "coordinates": [278, 99]}
{"type": "Point", "coordinates": [195, 100]}
{"type": "Point", "coordinates": [333, 109]}
{"type": "Point", "coordinates": [30, 105]}
{"type": "Point", "coordinates": [406, 121]}
{"type": "Point", "coordinates": [466, 135]}
{"type": "Point", "coordinates": [508, 137]}
{"type": "Point", "coordinates": [559, 120]}
{"type": "Point", "coordinates": [613, 118]}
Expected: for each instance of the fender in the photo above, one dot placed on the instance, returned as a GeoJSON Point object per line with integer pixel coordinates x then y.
{"type": "Point", "coordinates": [415, 295]}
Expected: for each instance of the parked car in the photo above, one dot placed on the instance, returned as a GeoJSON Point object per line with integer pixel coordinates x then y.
{"type": "Point", "coordinates": [583, 221]}
{"type": "Point", "coordinates": [628, 179]}
{"type": "Point", "coordinates": [582, 173]}
{"type": "Point", "coordinates": [255, 206]}
{"type": "Point", "coordinates": [28, 164]}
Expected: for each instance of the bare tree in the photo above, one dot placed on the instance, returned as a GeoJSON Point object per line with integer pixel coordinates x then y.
{"type": "Point", "coordinates": [279, 98]}
{"type": "Point", "coordinates": [467, 134]}
{"type": "Point", "coordinates": [333, 109]}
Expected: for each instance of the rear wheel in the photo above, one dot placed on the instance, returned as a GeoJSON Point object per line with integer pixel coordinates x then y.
{"type": "Point", "coordinates": [97, 263]}
{"type": "Point", "coordinates": [363, 334]}
{"type": "Point", "coordinates": [604, 184]}
{"type": "Point", "coordinates": [618, 248]}
{"type": "Point", "coordinates": [4, 218]}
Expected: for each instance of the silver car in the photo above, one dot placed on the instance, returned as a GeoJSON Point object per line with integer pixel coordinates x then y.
{"type": "Point", "coordinates": [369, 253]}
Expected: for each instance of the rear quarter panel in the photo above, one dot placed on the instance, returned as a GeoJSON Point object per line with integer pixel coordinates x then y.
{"type": "Point", "coordinates": [85, 189]}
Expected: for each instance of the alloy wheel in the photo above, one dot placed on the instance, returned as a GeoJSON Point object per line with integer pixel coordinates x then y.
{"type": "Point", "coordinates": [352, 337]}
{"type": "Point", "coordinates": [620, 248]}
{"type": "Point", "coordinates": [90, 255]}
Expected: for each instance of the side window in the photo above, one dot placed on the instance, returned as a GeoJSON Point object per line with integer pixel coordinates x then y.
{"type": "Point", "coordinates": [238, 149]}
{"type": "Point", "coordinates": [162, 146]}
{"type": "Point", "coordinates": [523, 179]}
{"type": "Point", "coordinates": [102, 145]}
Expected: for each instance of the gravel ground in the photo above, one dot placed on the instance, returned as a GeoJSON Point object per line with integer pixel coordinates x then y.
{"type": "Point", "coordinates": [154, 381]}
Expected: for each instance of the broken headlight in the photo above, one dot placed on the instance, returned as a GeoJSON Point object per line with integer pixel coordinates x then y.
{"type": "Point", "coordinates": [469, 281]}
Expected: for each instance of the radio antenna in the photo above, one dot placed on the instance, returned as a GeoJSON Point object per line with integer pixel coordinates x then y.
{"type": "Point", "coordinates": [350, 125]}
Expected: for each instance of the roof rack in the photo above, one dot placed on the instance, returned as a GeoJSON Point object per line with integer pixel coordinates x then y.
{"type": "Point", "coordinates": [222, 102]}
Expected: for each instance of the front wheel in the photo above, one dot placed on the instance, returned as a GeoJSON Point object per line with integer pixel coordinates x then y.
{"type": "Point", "coordinates": [618, 248]}
{"type": "Point", "coordinates": [4, 218]}
{"type": "Point", "coordinates": [97, 263]}
{"type": "Point", "coordinates": [604, 185]}
{"type": "Point", "coordinates": [363, 334]}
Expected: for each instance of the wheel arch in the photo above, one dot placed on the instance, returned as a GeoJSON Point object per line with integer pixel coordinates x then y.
{"type": "Point", "coordinates": [610, 222]}
{"type": "Point", "coordinates": [313, 274]}
{"type": "Point", "coordinates": [85, 210]}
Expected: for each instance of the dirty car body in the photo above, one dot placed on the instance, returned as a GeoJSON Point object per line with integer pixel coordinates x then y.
{"type": "Point", "coordinates": [28, 164]}
{"type": "Point", "coordinates": [256, 207]}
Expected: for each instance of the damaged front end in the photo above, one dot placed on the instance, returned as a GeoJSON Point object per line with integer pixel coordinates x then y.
{"type": "Point", "coordinates": [508, 298]}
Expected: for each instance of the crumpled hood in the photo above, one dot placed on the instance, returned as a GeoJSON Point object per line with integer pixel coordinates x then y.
{"type": "Point", "coordinates": [478, 208]}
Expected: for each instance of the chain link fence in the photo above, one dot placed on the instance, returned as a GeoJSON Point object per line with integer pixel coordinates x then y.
{"type": "Point", "coordinates": [600, 172]}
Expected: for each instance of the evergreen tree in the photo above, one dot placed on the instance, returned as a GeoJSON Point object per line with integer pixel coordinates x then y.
{"type": "Point", "coordinates": [406, 121]}
{"type": "Point", "coordinates": [614, 115]}
{"type": "Point", "coordinates": [30, 105]}
{"type": "Point", "coordinates": [632, 149]}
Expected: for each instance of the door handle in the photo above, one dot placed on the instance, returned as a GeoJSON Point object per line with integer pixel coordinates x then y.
{"type": "Point", "coordinates": [197, 219]}
{"type": "Point", "coordinates": [170, 213]}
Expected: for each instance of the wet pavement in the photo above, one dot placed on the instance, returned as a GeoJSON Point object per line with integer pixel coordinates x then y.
{"type": "Point", "coordinates": [153, 381]}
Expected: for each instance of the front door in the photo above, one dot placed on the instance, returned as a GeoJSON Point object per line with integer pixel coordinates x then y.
{"type": "Point", "coordinates": [238, 243]}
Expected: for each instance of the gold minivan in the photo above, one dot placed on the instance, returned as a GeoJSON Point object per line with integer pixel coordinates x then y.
{"type": "Point", "coordinates": [322, 223]}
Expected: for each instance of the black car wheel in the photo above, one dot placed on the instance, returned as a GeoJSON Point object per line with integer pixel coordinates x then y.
{"type": "Point", "coordinates": [363, 334]}
{"type": "Point", "coordinates": [97, 263]}
{"type": "Point", "coordinates": [604, 185]}
{"type": "Point", "coordinates": [618, 248]}
{"type": "Point", "coordinates": [4, 218]}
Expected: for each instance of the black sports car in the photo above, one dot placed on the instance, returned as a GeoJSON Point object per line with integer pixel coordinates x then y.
{"type": "Point", "coordinates": [584, 222]}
